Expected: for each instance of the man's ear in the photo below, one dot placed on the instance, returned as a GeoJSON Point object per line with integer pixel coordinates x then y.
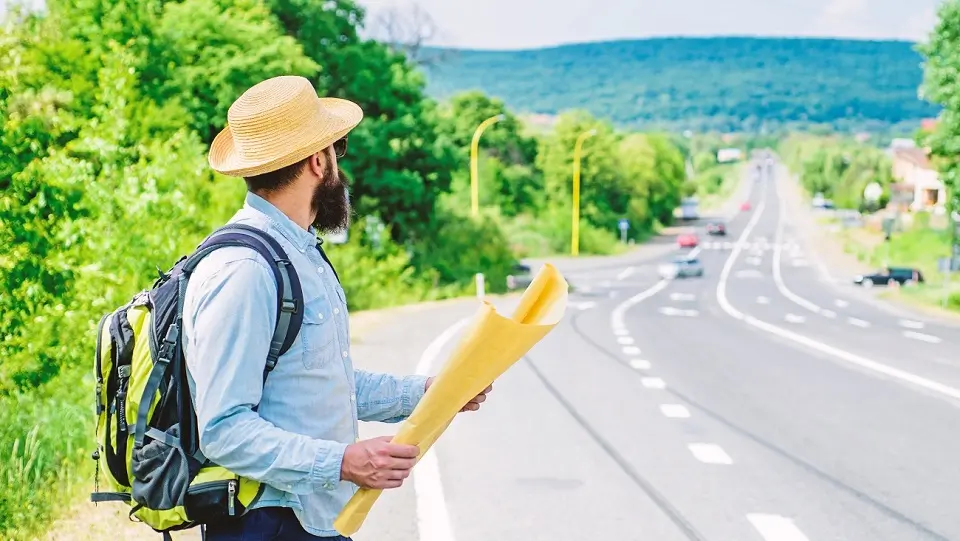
{"type": "Point", "coordinates": [316, 163]}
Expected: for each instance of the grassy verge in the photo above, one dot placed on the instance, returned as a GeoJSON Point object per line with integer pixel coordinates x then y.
{"type": "Point", "coordinates": [716, 185]}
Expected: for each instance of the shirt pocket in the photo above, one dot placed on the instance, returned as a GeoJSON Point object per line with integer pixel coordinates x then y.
{"type": "Point", "coordinates": [319, 333]}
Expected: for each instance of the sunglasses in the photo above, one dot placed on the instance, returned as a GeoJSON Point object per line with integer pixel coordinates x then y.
{"type": "Point", "coordinates": [340, 147]}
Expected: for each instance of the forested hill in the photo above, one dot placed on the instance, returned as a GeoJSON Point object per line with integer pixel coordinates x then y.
{"type": "Point", "coordinates": [702, 83]}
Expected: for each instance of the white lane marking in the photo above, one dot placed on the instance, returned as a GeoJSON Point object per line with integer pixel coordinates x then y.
{"type": "Point", "coordinates": [862, 362]}
{"type": "Point", "coordinates": [793, 318]}
{"type": "Point", "coordinates": [695, 252]}
{"type": "Point", "coordinates": [858, 322]}
{"type": "Point", "coordinates": [631, 350]}
{"type": "Point", "coordinates": [625, 340]}
{"type": "Point", "coordinates": [682, 297]}
{"type": "Point", "coordinates": [639, 364]}
{"type": "Point", "coordinates": [710, 453]}
{"type": "Point", "coordinates": [585, 305]}
{"type": "Point", "coordinates": [828, 314]}
{"type": "Point", "coordinates": [675, 411]}
{"type": "Point", "coordinates": [911, 324]}
{"type": "Point", "coordinates": [616, 317]}
{"type": "Point", "coordinates": [433, 518]}
{"type": "Point", "coordinates": [754, 260]}
{"type": "Point", "coordinates": [800, 263]}
{"type": "Point", "coordinates": [626, 273]}
{"type": "Point", "coordinates": [621, 332]}
{"type": "Point", "coordinates": [671, 311]}
{"type": "Point", "coordinates": [727, 245]}
{"type": "Point", "coordinates": [653, 383]}
{"type": "Point", "coordinates": [749, 273]}
{"type": "Point", "coordinates": [840, 303]}
{"type": "Point", "coordinates": [776, 528]}
{"type": "Point", "coordinates": [763, 300]}
{"type": "Point", "coordinates": [929, 338]}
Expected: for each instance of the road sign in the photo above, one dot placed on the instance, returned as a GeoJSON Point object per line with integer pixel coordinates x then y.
{"type": "Point", "coordinates": [623, 224]}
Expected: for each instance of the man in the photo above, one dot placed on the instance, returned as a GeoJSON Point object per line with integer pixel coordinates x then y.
{"type": "Point", "coordinates": [296, 433]}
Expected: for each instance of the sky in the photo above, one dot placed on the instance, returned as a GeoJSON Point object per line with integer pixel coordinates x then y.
{"type": "Point", "coordinates": [521, 24]}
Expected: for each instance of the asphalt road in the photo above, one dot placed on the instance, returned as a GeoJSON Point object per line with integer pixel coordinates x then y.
{"type": "Point", "coordinates": [759, 402]}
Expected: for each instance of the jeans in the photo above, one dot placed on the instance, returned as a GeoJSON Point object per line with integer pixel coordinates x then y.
{"type": "Point", "coordinates": [264, 524]}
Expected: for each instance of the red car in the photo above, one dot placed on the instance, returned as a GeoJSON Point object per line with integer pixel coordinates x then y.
{"type": "Point", "coordinates": [745, 205]}
{"type": "Point", "coordinates": [687, 240]}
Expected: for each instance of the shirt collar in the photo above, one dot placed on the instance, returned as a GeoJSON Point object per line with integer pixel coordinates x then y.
{"type": "Point", "coordinates": [300, 237]}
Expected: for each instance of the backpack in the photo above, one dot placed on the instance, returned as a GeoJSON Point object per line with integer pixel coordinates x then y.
{"type": "Point", "coordinates": [147, 442]}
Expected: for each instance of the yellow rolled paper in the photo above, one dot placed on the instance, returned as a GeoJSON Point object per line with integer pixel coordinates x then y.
{"type": "Point", "coordinates": [491, 345]}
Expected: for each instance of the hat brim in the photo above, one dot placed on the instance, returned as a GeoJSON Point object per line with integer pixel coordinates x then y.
{"type": "Point", "coordinates": [224, 157]}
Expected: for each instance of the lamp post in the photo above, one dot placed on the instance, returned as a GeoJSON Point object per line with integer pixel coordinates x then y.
{"type": "Point", "coordinates": [575, 229]}
{"type": "Point", "coordinates": [474, 167]}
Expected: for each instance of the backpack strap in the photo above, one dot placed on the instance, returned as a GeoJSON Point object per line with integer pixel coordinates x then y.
{"type": "Point", "coordinates": [289, 291]}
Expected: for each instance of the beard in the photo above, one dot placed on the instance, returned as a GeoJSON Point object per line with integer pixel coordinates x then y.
{"type": "Point", "coordinates": [330, 202]}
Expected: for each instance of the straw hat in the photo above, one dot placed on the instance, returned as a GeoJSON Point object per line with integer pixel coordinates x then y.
{"type": "Point", "coordinates": [277, 123]}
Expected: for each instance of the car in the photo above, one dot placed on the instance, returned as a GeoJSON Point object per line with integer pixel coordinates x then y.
{"type": "Point", "coordinates": [716, 228]}
{"type": "Point", "coordinates": [687, 240]}
{"type": "Point", "coordinates": [745, 205]}
{"type": "Point", "coordinates": [684, 266]}
{"type": "Point", "coordinates": [886, 276]}
{"type": "Point", "coordinates": [520, 277]}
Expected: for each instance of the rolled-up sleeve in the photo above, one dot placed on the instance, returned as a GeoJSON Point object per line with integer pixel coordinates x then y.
{"type": "Point", "coordinates": [229, 317]}
{"type": "Point", "coordinates": [387, 398]}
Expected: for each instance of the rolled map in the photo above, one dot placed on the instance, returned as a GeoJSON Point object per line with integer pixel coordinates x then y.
{"type": "Point", "coordinates": [490, 346]}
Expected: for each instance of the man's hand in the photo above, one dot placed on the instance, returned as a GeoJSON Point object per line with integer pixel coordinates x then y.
{"type": "Point", "coordinates": [474, 403]}
{"type": "Point", "coordinates": [377, 463]}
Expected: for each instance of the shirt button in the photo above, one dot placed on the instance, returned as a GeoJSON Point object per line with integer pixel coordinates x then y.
{"type": "Point", "coordinates": [320, 270]}
{"type": "Point", "coordinates": [353, 397]}
{"type": "Point", "coordinates": [336, 310]}
{"type": "Point", "coordinates": [345, 354]}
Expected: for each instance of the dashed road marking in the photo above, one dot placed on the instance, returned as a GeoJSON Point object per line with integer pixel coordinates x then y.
{"type": "Point", "coordinates": [621, 332]}
{"type": "Point", "coordinates": [763, 300]}
{"type": "Point", "coordinates": [640, 364]}
{"type": "Point", "coordinates": [586, 305]}
{"type": "Point", "coordinates": [631, 350]}
{"type": "Point", "coordinates": [749, 273]}
{"type": "Point", "coordinates": [800, 263]}
{"type": "Point", "coordinates": [776, 528]}
{"type": "Point", "coordinates": [858, 322]}
{"type": "Point", "coordinates": [754, 260]}
{"type": "Point", "coordinates": [911, 324]}
{"type": "Point", "coordinates": [671, 311]}
{"type": "Point", "coordinates": [682, 297]}
{"type": "Point", "coordinates": [675, 411]}
{"type": "Point", "coordinates": [830, 314]}
{"type": "Point", "coordinates": [929, 338]}
{"type": "Point", "coordinates": [617, 316]}
{"type": "Point", "coordinates": [794, 318]}
{"type": "Point", "coordinates": [626, 272]}
{"type": "Point", "coordinates": [710, 453]}
{"type": "Point", "coordinates": [653, 383]}
{"type": "Point", "coordinates": [840, 303]}
{"type": "Point", "coordinates": [625, 340]}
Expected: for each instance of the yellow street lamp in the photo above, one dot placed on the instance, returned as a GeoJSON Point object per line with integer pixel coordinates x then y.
{"type": "Point", "coordinates": [474, 150]}
{"type": "Point", "coordinates": [575, 230]}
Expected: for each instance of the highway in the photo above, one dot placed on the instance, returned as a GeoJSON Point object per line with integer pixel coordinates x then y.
{"type": "Point", "coordinates": [760, 402]}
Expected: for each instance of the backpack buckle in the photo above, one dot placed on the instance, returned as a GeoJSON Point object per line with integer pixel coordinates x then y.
{"type": "Point", "coordinates": [289, 306]}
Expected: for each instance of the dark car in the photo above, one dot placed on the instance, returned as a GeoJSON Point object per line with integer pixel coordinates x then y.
{"type": "Point", "coordinates": [520, 277]}
{"type": "Point", "coordinates": [716, 228]}
{"type": "Point", "coordinates": [896, 275]}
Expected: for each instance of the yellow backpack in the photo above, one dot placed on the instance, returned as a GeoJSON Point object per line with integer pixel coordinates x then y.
{"type": "Point", "coordinates": [147, 444]}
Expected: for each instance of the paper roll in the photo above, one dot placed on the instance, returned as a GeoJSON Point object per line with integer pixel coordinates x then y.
{"type": "Point", "coordinates": [490, 346]}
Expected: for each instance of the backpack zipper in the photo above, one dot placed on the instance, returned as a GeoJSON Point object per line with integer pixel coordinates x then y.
{"type": "Point", "coordinates": [231, 493]}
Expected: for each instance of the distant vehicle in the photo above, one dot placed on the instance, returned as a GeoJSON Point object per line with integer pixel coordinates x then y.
{"type": "Point", "coordinates": [716, 228]}
{"type": "Point", "coordinates": [687, 240]}
{"type": "Point", "coordinates": [890, 275]}
{"type": "Point", "coordinates": [817, 201]}
{"type": "Point", "coordinates": [519, 277]}
{"type": "Point", "coordinates": [682, 267]}
{"type": "Point", "coordinates": [689, 209]}
{"type": "Point", "coordinates": [745, 205]}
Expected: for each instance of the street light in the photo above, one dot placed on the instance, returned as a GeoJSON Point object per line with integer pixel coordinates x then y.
{"type": "Point", "coordinates": [575, 230]}
{"type": "Point", "coordinates": [474, 150]}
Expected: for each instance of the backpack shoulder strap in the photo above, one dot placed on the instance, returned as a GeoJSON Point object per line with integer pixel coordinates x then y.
{"type": "Point", "coordinates": [289, 291]}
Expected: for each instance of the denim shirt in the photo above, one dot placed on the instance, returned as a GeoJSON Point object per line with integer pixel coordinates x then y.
{"type": "Point", "coordinates": [312, 401]}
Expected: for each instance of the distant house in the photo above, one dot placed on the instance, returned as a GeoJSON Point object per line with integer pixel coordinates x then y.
{"type": "Point", "coordinates": [725, 155]}
{"type": "Point", "coordinates": [917, 181]}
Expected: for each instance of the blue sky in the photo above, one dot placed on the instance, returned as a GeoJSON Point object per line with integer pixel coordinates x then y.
{"type": "Point", "coordinates": [510, 24]}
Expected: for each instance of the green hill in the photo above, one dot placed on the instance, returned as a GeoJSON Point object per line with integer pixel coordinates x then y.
{"type": "Point", "coordinates": [703, 83]}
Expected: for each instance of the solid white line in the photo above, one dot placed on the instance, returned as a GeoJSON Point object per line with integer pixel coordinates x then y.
{"type": "Point", "coordinates": [675, 411]}
{"type": "Point", "coordinates": [653, 383]}
{"type": "Point", "coordinates": [640, 364]}
{"type": "Point", "coordinates": [616, 317]}
{"type": "Point", "coordinates": [710, 453]}
{"type": "Point", "coordinates": [793, 318]}
{"type": "Point", "coordinates": [776, 528]}
{"type": "Point", "coordinates": [819, 346]}
{"type": "Point", "coordinates": [631, 350]}
{"type": "Point", "coordinates": [923, 337]}
{"type": "Point", "coordinates": [777, 256]}
{"type": "Point", "coordinates": [841, 303]}
{"type": "Point", "coordinates": [625, 340]}
{"type": "Point", "coordinates": [858, 322]}
{"type": "Point", "coordinates": [911, 324]}
{"type": "Point", "coordinates": [626, 273]}
{"type": "Point", "coordinates": [433, 518]}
